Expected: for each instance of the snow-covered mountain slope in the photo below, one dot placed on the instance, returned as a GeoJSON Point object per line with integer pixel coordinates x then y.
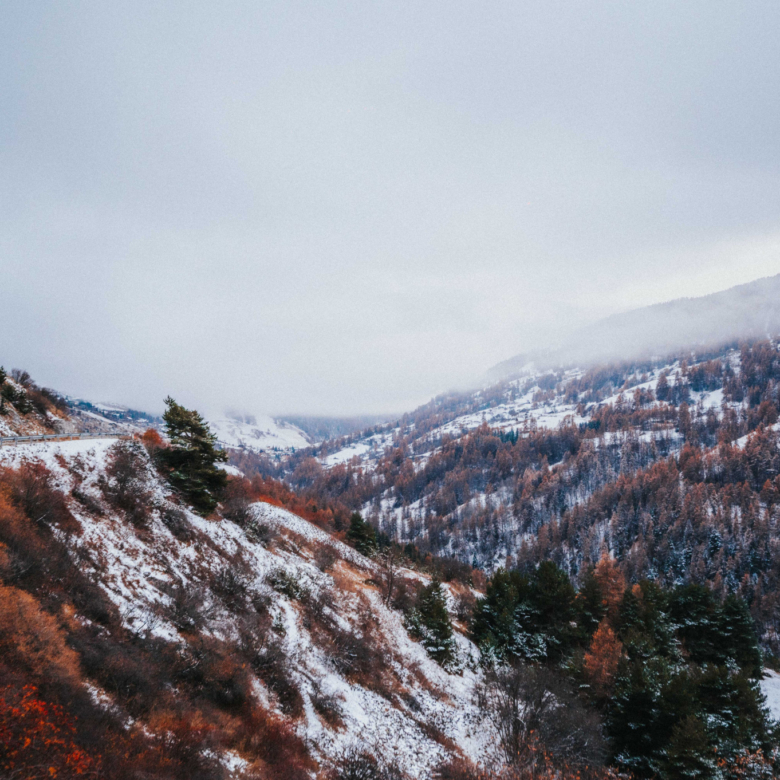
{"type": "Point", "coordinates": [747, 311]}
{"type": "Point", "coordinates": [770, 686]}
{"type": "Point", "coordinates": [493, 476]}
{"type": "Point", "coordinates": [535, 401]}
{"type": "Point", "coordinates": [326, 655]}
{"type": "Point", "coordinates": [642, 460]}
{"type": "Point", "coordinates": [19, 416]}
{"type": "Point", "coordinates": [258, 434]}
{"type": "Point", "coordinates": [98, 417]}
{"type": "Point", "coordinates": [321, 428]}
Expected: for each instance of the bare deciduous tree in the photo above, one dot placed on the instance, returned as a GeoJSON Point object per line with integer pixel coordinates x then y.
{"type": "Point", "coordinates": [532, 707]}
{"type": "Point", "coordinates": [389, 560]}
{"type": "Point", "coordinates": [126, 487]}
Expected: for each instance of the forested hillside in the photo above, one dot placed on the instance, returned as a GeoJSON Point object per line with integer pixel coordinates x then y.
{"type": "Point", "coordinates": [672, 466]}
{"type": "Point", "coordinates": [27, 409]}
{"type": "Point", "coordinates": [164, 615]}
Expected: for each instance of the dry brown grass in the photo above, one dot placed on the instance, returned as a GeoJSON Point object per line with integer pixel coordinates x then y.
{"type": "Point", "coordinates": [33, 638]}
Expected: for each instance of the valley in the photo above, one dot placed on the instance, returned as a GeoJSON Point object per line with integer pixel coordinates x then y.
{"type": "Point", "coordinates": [367, 602]}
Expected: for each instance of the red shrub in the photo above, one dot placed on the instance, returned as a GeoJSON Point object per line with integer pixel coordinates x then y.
{"type": "Point", "coordinates": [32, 638]}
{"type": "Point", "coordinates": [152, 440]}
{"type": "Point", "coordinates": [37, 738]}
{"type": "Point", "coordinates": [274, 492]}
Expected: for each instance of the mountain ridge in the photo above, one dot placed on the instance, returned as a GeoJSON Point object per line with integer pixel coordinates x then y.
{"type": "Point", "coordinates": [257, 644]}
{"type": "Point", "coordinates": [750, 310]}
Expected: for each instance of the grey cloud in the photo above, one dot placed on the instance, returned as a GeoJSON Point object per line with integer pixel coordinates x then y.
{"type": "Point", "coordinates": [343, 207]}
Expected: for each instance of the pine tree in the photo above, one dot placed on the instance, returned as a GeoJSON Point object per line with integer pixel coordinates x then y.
{"type": "Point", "coordinates": [530, 618]}
{"type": "Point", "coordinates": [738, 638]}
{"type": "Point", "coordinates": [689, 755]}
{"type": "Point", "coordinates": [643, 623]}
{"type": "Point", "coordinates": [22, 403]}
{"type": "Point", "coordinates": [429, 622]}
{"type": "Point", "coordinates": [553, 611]}
{"type": "Point", "coordinates": [640, 716]}
{"type": "Point", "coordinates": [734, 705]}
{"type": "Point", "coordinates": [494, 626]}
{"type": "Point", "coordinates": [361, 535]}
{"type": "Point", "coordinates": [590, 606]}
{"type": "Point", "coordinates": [662, 388]}
{"type": "Point", "coordinates": [190, 461]}
{"type": "Point", "coordinates": [696, 614]}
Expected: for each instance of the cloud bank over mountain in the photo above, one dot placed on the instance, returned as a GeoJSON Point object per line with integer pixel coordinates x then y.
{"type": "Point", "coordinates": [345, 209]}
{"type": "Point", "coordinates": [747, 311]}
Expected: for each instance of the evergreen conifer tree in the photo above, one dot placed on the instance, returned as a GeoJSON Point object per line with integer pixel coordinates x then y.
{"type": "Point", "coordinates": [430, 622]}
{"type": "Point", "coordinates": [690, 755]}
{"type": "Point", "coordinates": [735, 706]}
{"type": "Point", "coordinates": [738, 637]}
{"type": "Point", "coordinates": [22, 403]}
{"type": "Point", "coordinates": [190, 461]}
{"type": "Point", "coordinates": [643, 622]}
{"type": "Point", "coordinates": [494, 625]}
{"type": "Point", "coordinates": [553, 610]}
{"type": "Point", "coordinates": [695, 612]}
{"type": "Point", "coordinates": [530, 618]}
{"type": "Point", "coordinates": [361, 535]}
{"type": "Point", "coordinates": [672, 708]}
{"type": "Point", "coordinates": [590, 605]}
{"type": "Point", "coordinates": [640, 716]}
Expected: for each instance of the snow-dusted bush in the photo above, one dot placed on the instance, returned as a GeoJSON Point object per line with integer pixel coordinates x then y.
{"type": "Point", "coordinates": [187, 609]}
{"type": "Point", "coordinates": [175, 520]}
{"type": "Point", "coordinates": [259, 532]}
{"type": "Point", "coordinates": [125, 483]}
{"type": "Point", "coordinates": [284, 582]}
{"type": "Point", "coordinates": [532, 708]}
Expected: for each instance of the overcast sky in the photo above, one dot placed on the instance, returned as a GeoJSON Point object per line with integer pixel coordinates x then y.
{"type": "Point", "coordinates": [349, 207]}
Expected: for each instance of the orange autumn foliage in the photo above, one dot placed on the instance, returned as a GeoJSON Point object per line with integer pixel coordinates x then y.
{"type": "Point", "coordinates": [602, 659]}
{"type": "Point", "coordinates": [746, 766]}
{"type": "Point", "coordinates": [276, 493]}
{"type": "Point", "coordinates": [33, 638]}
{"type": "Point", "coordinates": [612, 583]}
{"type": "Point", "coordinates": [152, 440]}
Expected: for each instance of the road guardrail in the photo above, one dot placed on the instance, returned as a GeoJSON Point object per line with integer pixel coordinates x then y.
{"type": "Point", "coordinates": [5, 440]}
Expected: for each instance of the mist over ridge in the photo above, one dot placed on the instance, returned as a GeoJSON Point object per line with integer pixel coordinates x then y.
{"type": "Point", "coordinates": [750, 310]}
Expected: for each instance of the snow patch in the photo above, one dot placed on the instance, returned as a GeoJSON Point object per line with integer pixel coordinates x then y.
{"type": "Point", "coordinates": [770, 687]}
{"type": "Point", "coordinates": [260, 434]}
